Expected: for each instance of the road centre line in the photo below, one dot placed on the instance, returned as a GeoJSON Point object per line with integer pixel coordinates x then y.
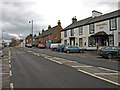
{"type": "Point", "coordinates": [11, 86]}
{"type": "Point", "coordinates": [99, 77]}
{"type": "Point", "coordinates": [9, 65]}
{"type": "Point", "coordinates": [10, 73]}
{"type": "Point", "coordinates": [107, 73]}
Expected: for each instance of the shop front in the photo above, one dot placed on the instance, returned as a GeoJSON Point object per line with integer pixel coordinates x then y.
{"type": "Point", "coordinates": [101, 39]}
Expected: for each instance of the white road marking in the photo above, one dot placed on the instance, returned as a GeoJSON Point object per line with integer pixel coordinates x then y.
{"type": "Point", "coordinates": [9, 61]}
{"type": "Point", "coordinates": [107, 69]}
{"type": "Point", "coordinates": [99, 77]}
{"type": "Point", "coordinates": [83, 66]}
{"type": "Point", "coordinates": [107, 73]}
{"type": "Point", "coordinates": [9, 65]}
{"type": "Point", "coordinates": [11, 86]}
{"type": "Point", "coordinates": [53, 60]}
{"type": "Point", "coordinates": [10, 73]}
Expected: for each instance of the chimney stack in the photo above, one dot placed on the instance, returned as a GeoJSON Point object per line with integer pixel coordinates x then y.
{"type": "Point", "coordinates": [49, 27]}
{"type": "Point", "coordinates": [59, 23]}
{"type": "Point", "coordinates": [96, 13]}
{"type": "Point", "coordinates": [42, 30]}
{"type": "Point", "coordinates": [74, 19]}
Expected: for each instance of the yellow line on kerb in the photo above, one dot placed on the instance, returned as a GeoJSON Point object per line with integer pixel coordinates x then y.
{"type": "Point", "coordinates": [9, 54]}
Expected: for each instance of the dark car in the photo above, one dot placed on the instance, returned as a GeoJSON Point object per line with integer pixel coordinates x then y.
{"type": "Point", "coordinates": [73, 48]}
{"type": "Point", "coordinates": [60, 48]}
{"type": "Point", "coordinates": [109, 51]}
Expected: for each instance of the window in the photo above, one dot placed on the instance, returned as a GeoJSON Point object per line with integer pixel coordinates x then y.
{"type": "Point", "coordinates": [113, 24]}
{"type": "Point", "coordinates": [55, 36]}
{"type": "Point", "coordinates": [80, 31]}
{"type": "Point", "coordinates": [111, 40]}
{"type": "Point", "coordinates": [65, 33]}
{"type": "Point", "coordinates": [92, 42]}
{"type": "Point", "coordinates": [91, 28]}
{"type": "Point", "coordinates": [72, 32]}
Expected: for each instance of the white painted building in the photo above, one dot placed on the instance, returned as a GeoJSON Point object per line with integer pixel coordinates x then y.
{"type": "Point", "coordinates": [93, 32]}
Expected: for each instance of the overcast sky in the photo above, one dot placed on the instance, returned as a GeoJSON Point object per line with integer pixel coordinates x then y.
{"type": "Point", "coordinates": [15, 14]}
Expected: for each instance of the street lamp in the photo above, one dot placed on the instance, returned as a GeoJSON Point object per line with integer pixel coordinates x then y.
{"type": "Point", "coordinates": [32, 29]}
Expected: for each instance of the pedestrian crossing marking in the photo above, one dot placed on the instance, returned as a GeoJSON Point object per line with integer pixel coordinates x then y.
{"type": "Point", "coordinates": [19, 52]}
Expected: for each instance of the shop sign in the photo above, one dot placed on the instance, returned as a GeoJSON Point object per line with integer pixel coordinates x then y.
{"type": "Point", "coordinates": [101, 25]}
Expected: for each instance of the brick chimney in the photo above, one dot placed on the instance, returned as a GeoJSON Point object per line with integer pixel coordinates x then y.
{"type": "Point", "coordinates": [59, 23]}
{"type": "Point", "coordinates": [74, 19]}
{"type": "Point", "coordinates": [49, 27]}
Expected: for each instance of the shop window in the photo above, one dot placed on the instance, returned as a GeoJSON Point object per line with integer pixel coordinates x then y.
{"type": "Point", "coordinates": [72, 32]}
{"type": "Point", "coordinates": [91, 41]}
{"type": "Point", "coordinates": [113, 24]}
{"type": "Point", "coordinates": [65, 33]}
{"type": "Point", "coordinates": [80, 42]}
{"type": "Point", "coordinates": [111, 40]}
{"type": "Point", "coordinates": [91, 28]}
{"type": "Point", "coordinates": [80, 31]}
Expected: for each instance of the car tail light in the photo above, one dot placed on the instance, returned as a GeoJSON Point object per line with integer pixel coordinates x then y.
{"type": "Point", "coordinates": [101, 51]}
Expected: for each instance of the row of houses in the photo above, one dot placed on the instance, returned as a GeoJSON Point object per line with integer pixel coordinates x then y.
{"type": "Point", "coordinates": [89, 33]}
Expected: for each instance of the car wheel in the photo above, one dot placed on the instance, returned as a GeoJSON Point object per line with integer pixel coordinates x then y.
{"type": "Point", "coordinates": [110, 56]}
{"type": "Point", "coordinates": [68, 51]}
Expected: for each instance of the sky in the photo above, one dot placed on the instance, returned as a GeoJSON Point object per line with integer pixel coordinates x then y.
{"type": "Point", "coordinates": [16, 14]}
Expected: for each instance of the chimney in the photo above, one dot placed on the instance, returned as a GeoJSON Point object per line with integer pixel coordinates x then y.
{"type": "Point", "coordinates": [59, 23]}
{"type": "Point", "coordinates": [96, 13]}
{"type": "Point", "coordinates": [49, 27]}
{"type": "Point", "coordinates": [42, 30]}
{"type": "Point", "coordinates": [74, 19]}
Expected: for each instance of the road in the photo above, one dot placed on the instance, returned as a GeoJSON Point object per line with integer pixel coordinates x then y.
{"type": "Point", "coordinates": [43, 68]}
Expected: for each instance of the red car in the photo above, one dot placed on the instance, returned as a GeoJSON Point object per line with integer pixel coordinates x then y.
{"type": "Point", "coordinates": [41, 46]}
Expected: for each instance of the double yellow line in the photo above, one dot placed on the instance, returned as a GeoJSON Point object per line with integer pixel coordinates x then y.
{"type": "Point", "coordinates": [9, 54]}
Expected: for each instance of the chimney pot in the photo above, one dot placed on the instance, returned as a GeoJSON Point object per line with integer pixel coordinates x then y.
{"type": "Point", "coordinates": [59, 23]}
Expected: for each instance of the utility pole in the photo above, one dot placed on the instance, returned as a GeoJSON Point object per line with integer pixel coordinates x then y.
{"type": "Point", "coordinates": [32, 30]}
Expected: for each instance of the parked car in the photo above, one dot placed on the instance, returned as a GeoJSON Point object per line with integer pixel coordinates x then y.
{"type": "Point", "coordinates": [54, 46]}
{"type": "Point", "coordinates": [41, 46]}
{"type": "Point", "coordinates": [60, 48]}
{"type": "Point", "coordinates": [109, 51]}
{"type": "Point", "coordinates": [71, 48]}
{"type": "Point", "coordinates": [29, 45]}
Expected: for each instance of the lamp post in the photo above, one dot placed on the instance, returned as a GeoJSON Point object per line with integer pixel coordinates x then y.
{"type": "Point", "coordinates": [32, 30]}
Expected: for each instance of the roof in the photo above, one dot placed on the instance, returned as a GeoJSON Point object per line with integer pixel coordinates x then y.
{"type": "Point", "coordinates": [47, 32]}
{"type": "Point", "coordinates": [93, 20]}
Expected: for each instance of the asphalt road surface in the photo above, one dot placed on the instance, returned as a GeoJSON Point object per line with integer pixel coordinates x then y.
{"type": "Point", "coordinates": [43, 68]}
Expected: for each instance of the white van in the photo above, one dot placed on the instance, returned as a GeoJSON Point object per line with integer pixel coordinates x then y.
{"type": "Point", "coordinates": [54, 46]}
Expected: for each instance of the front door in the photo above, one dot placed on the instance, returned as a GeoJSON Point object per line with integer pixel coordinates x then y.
{"type": "Point", "coordinates": [72, 41]}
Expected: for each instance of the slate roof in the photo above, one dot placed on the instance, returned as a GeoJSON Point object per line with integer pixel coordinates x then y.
{"type": "Point", "coordinates": [93, 20]}
{"type": "Point", "coordinates": [47, 32]}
